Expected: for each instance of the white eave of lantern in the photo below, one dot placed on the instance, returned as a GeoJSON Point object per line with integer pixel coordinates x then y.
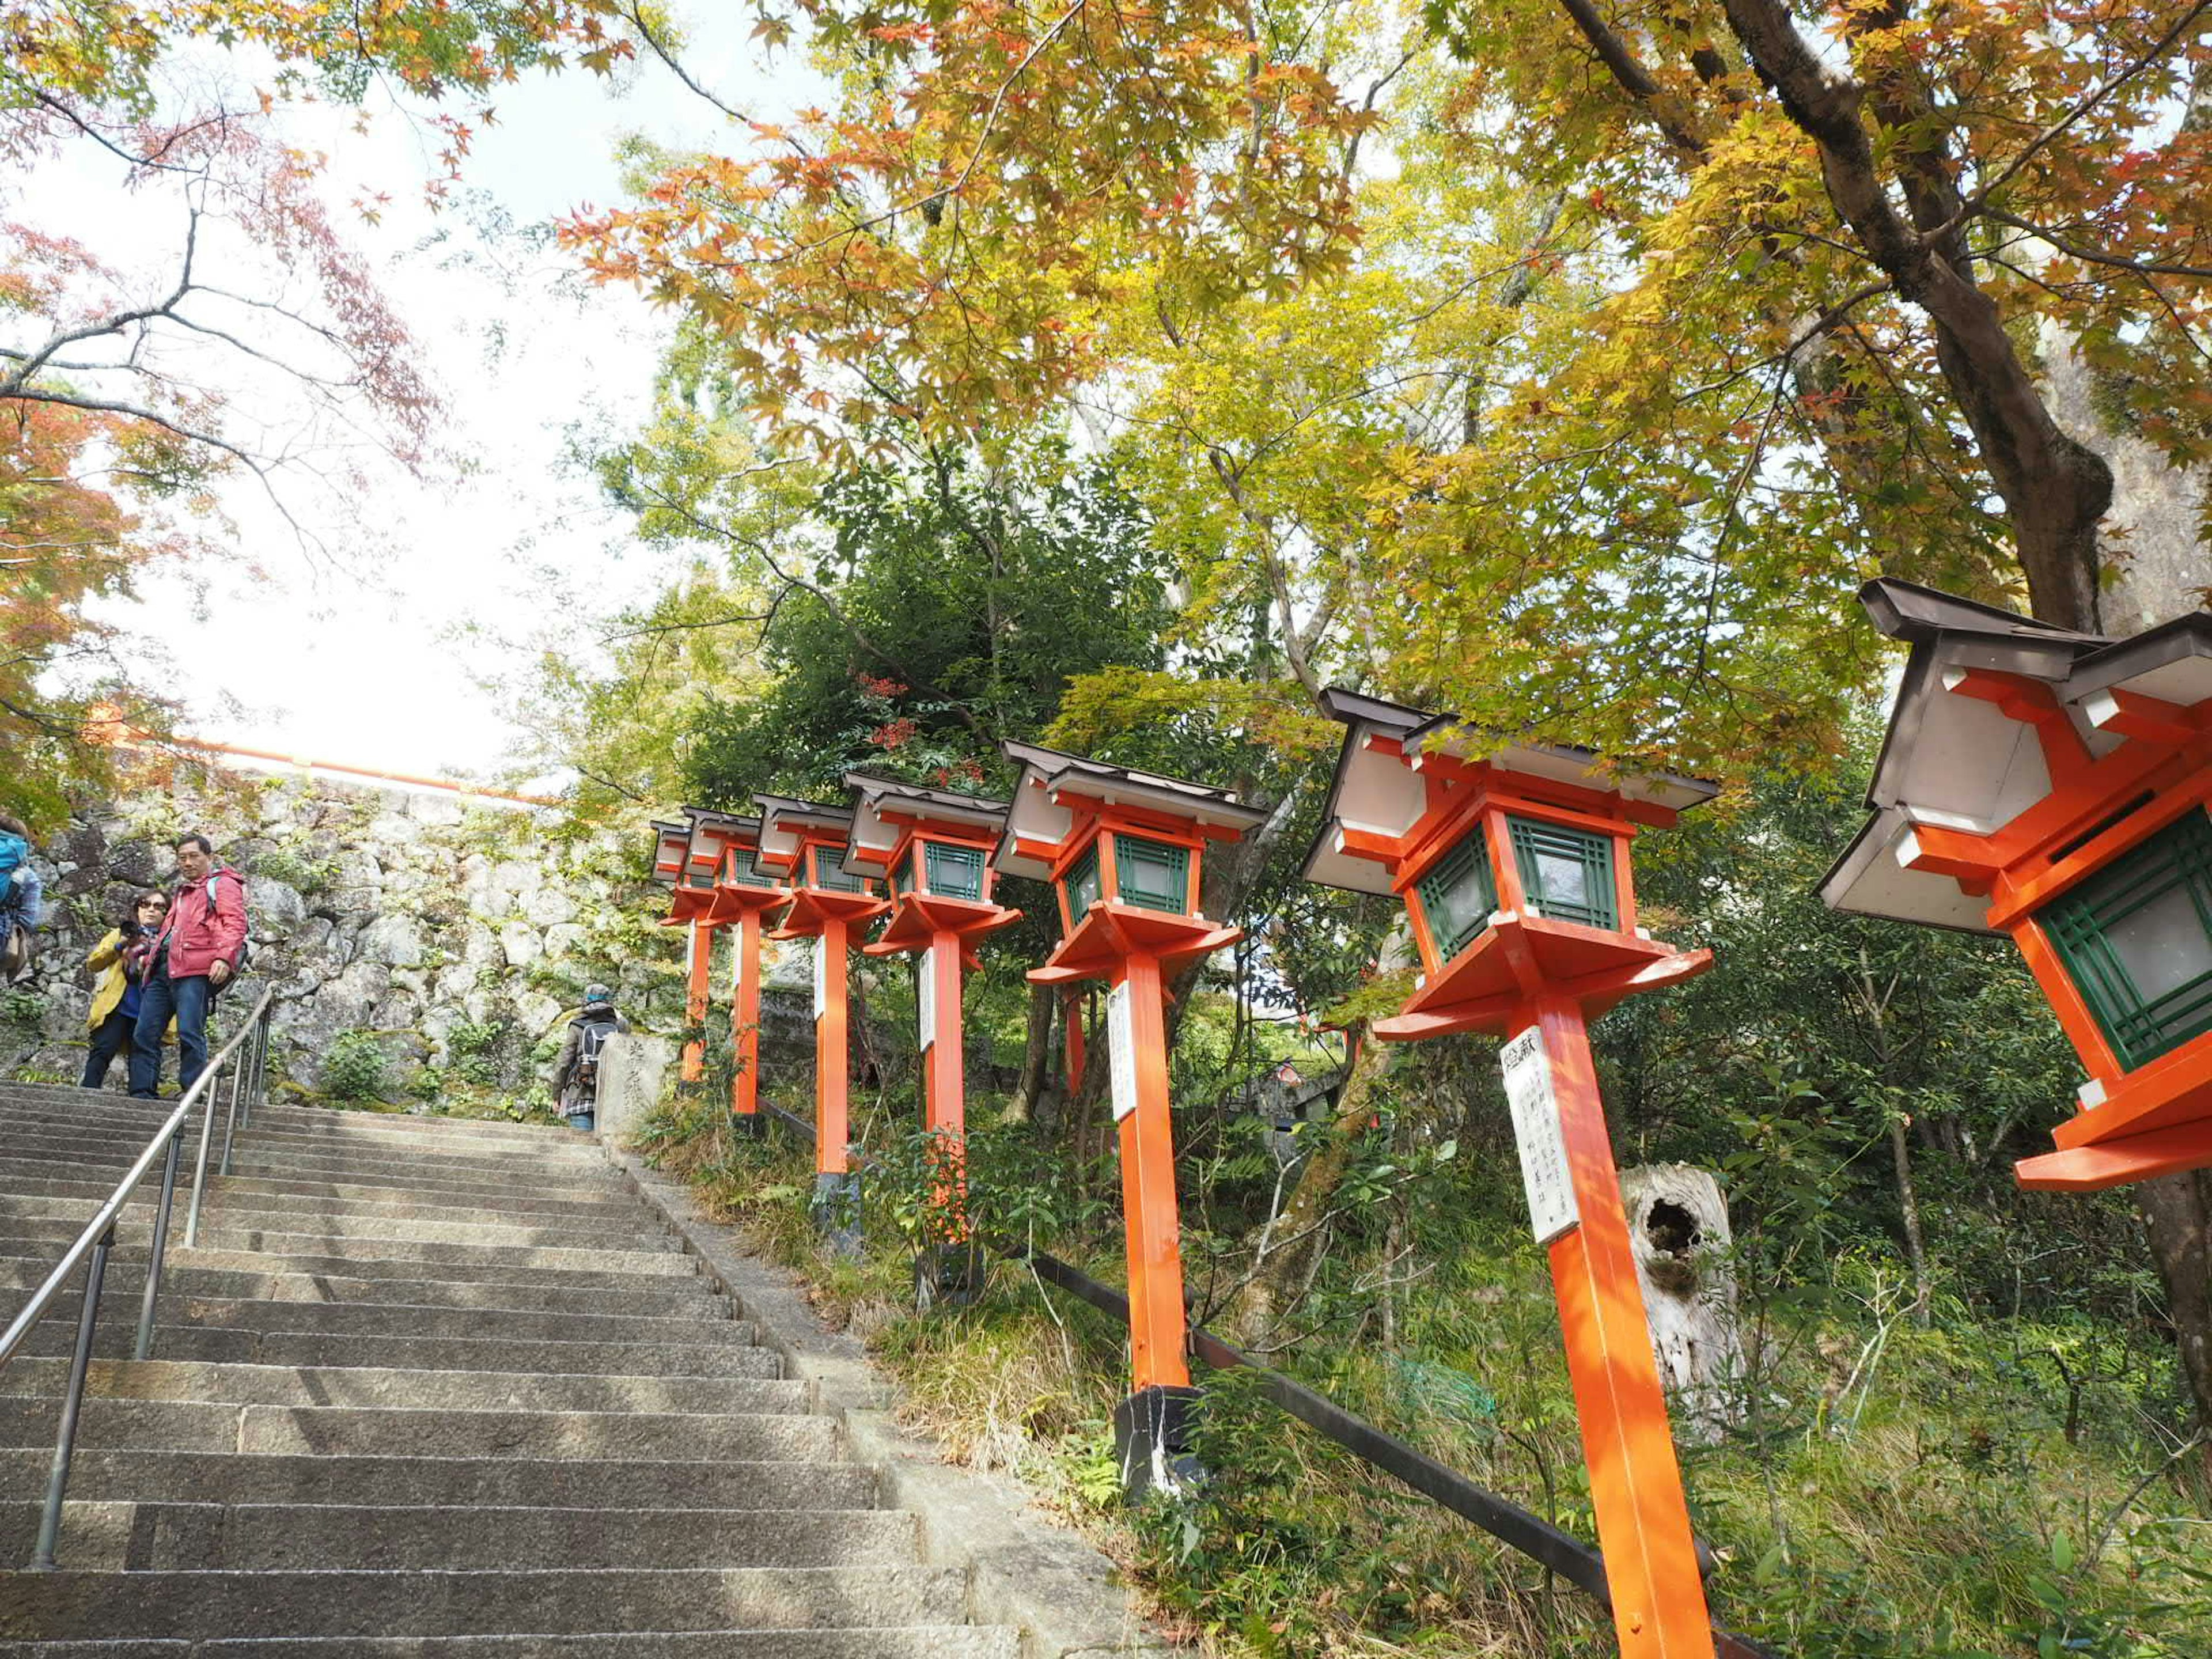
{"type": "Point", "coordinates": [873, 841]}
{"type": "Point", "coordinates": [785, 818]}
{"type": "Point", "coordinates": [1960, 762]}
{"type": "Point", "coordinates": [671, 847]}
{"type": "Point", "coordinates": [713, 835]}
{"type": "Point", "coordinates": [1378, 788]}
{"type": "Point", "coordinates": [1039, 812]}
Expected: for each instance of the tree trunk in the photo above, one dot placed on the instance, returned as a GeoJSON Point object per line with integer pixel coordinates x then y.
{"type": "Point", "coordinates": [2178, 1209]}
{"type": "Point", "coordinates": [1036, 1052]}
{"type": "Point", "coordinates": [1288, 1243]}
{"type": "Point", "coordinates": [1900, 1157]}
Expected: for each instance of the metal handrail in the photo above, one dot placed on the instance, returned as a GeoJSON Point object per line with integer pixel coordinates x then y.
{"type": "Point", "coordinates": [98, 1238]}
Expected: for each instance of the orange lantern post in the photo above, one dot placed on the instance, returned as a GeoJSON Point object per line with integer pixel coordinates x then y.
{"type": "Point", "coordinates": [692, 891]}
{"type": "Point", "coordinates": [934, 847]}
{"type": "Point", "coordinates": [804, 843]}
{"type": "Point", "coordinates": [729, 845]}
{"type": "Point", "coordinates": [1123, 851]}
{"type": "Point", "coordinates": [1513, 866]}
{"type": "Point", "coordinates": [2054, 785]}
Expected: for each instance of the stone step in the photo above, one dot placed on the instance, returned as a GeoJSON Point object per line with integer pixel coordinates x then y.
{"type": "Point", "coordinates": [36, 1168]}
{"type": "Point", "coordinates": [60, 1223]}
{"type": "Point", "coordinates": [111, 1473]}
{"type": "Point", "coordinates": [110, 1113]}
{"type": "Point", "coordinates": [415, 1390]}
{"type": "Point", "coordinates": [502, 1200]}
{"type": "Point", "coordinates": [114, 1335]}
{"type": "Point", "coordinates": [679, 1298]}
{"type": "Point", "coordinates": [266, 1209]}
{"type": "Point", "coordinates": [655, 1271]}
{"type": "Point", "coordinates": [402, 1319]}
{"type": "Point", "coordinates": [248, 1151]}
{"type": "Point", "coordinates": [44, 1242]}
{"type": "Point", "coordinates": [391, 1432]}
{"type": "Point", "coordinates": [906, 1641]}
{"type": "Point", "coordinates": [299, 1537]}
{"type": "Point", "coordinates": [571, 1602]}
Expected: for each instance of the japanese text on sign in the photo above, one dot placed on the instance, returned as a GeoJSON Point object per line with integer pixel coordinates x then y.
{"type": "Point", "coordinates": [1551, 1207]}
{"type": "Point", "coordinates": [926, 993]}
{"type": "Point", "coordinates": [1121, 1049]}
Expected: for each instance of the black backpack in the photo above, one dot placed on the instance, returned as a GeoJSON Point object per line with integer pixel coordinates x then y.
{"type": "Point", "coordinates": [596, 1033]}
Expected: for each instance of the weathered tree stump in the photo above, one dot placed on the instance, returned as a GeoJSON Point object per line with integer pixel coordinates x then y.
{"type": "Point", "coordinates": [1678, 1223]}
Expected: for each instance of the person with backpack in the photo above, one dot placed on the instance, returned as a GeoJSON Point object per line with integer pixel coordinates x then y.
{"type": "Point", "coordinates": [199, 950]}
{"type": "Point", "coordinates": [122, 959]}
{"type": "Point", "coordinates": [22, 900]}
{"type": "Point", "coordinates": [576, 1075]}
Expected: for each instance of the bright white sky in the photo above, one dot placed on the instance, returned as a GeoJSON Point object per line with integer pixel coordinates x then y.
{"type": "Point", "coordinates": [367, 665]}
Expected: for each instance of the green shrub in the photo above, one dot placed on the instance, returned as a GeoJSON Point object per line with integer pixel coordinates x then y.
{"type": "Point", "coordinates": [473, 1045]}
{"type": "Point", "coordinates": [296, 870]}
{"type": "Point", "coordinates": [355, 1070]}
{"type": "Point", "coordinates": [23, 1008]}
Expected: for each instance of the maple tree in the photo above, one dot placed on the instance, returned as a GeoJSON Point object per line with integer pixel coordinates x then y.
{"type": "Point", "coordinates": [1659, 330]}
{"type": "Point", "coordinates": [257, 345]}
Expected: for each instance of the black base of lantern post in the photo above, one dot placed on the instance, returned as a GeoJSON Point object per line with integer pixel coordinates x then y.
{"type": "Point", "coordinates": [1152, 1441]}
{"type": "Point", "coordinates": [948, 1275]}
{"type": "Point", "coordinates": [837, 1210]}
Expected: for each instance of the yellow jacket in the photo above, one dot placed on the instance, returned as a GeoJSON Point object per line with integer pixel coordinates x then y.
{"type": "Point", "coordinates": [107, 959]}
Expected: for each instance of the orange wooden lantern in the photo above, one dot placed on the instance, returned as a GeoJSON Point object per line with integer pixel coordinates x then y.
{"type": "Point", "coordinates": [1513, 865]}
{"type": "Point", "coordinates": [934, 847]}
{"type": "Point", "coordinates": [691, 891]}
{"type": "Point", "coordinates": [2054, 785]}
{"type": "Point", "coordinates": [803, 844]}
{"type": "Point", "coordinates": [721, 885]}
{"type": "Point", "coordinates": [1124, 851]}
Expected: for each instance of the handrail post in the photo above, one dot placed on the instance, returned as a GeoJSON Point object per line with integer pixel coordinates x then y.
{"type": "Point", "coordinates": [230, 1118]}
{"type": "Point", "coordinates": [199, 1164]}
{"type": "Point", "coordinates": [144, 1347]}
{"type": "Point", "coordinates": [258, 1064]}
{"type": "Point", "coordinates": [49, 1521]}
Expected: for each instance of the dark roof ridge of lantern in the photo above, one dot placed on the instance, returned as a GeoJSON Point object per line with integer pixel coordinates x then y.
{"type": "Point", "coordinates": [714, 815]}
{"type": "Point", "coordinates": [1054, 763]}
{"type": "Point", "coordinates": [1053, 822]}
{"type": "Point", "coordinates": [1906, 610]}
{"type": "Point", "coordinates": [797, 807]}
{"type": "Point", "coordinates": [876, 783]}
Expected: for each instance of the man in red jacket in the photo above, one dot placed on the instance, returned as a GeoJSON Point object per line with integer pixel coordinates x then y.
{"type": "Point", "coordinates": [195, 955]}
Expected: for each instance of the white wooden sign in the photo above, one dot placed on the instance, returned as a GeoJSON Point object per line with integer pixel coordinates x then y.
{"type": "Point", "coordinates": [1528, 1069]}
{"type": "Point", "coordinates": [1121, 1049]}
{"type": "Point", "coordinates": [821, 977]}
{"type": "Point", "coordinates": [926, 994]}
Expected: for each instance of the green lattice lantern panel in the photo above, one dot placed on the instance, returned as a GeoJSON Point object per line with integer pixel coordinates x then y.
{"type": "Point", "coordinates": [1567, 874]}
{"type": "Point", "coordinates": [1457, 896]}
{"type": "Point", "coordinates": [1082, 879]}
{"type": "Point", "coordinates": [2135, 938]}
{"type": "Point", "coordinates": [830, 874]}
{"type": "Point", "coordinates": [744, 867]}
{"type": "Point", "coordinates": [953, 871]}
{"type": "Point", "coordinates": [1152, 873]}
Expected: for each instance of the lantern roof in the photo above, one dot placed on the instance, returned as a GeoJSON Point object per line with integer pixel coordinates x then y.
{"type": "Point", "coordinates": [672, 845]}
{"type": "Point", "coordinates": [1377, 791]}
{"type": "Point", "coordinates": [712, 834]}
{"type": "Point", "coordinates": [882, 806]}
{"type": "Point", "coordinates": [786, 822]}
{"type": "Point", "coordinates": [1960, 755]}
{"type": "Point", "coordinates": [1041, 813]}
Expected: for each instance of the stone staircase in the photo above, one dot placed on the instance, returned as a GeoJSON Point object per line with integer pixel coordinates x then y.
{"type": "Point", "coordinates": [425, 1388]}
